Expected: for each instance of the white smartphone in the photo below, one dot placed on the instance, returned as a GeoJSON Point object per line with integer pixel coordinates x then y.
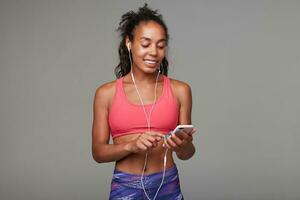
{"type": "Point", "coordinates": [180, 128]}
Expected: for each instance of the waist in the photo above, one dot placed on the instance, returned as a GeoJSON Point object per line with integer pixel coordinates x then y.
{"type": "Point", "coordinates": [149, 180]}
{"type": "Point", "coordinates": [133, 163]}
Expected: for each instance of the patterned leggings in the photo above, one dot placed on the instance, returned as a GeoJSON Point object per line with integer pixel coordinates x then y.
{"type": "Point", "coordinates": [126, 186]}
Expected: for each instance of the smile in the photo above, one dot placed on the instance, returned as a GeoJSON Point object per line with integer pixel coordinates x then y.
{"type": "Point", "coordinates": [151, 62]}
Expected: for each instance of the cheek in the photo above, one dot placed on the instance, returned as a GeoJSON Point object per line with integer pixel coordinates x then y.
{"type": "Point", "coordinates": [140, 54]}
{"type": "Point", "coordinates": [162, 53]}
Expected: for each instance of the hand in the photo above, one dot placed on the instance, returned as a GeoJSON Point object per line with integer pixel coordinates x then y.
{"type": "Point", "coordinates": [177, 142]}
{"type": "Point", "coordinates": [145, 141]}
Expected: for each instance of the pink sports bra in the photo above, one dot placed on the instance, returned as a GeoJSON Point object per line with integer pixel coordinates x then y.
{"type": "Point", "coordinates": [128, 118]}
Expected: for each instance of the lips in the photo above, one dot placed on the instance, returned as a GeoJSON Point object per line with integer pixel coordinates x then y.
{"type": "Point", "coordinates": [151, 63]}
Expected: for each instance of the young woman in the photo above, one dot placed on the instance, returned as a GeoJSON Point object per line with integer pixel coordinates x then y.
{"type": "Point", "coordinates": [138, 110]}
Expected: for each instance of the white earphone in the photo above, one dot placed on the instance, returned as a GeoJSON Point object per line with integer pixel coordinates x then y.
{"type": "Point", "coordinates": [128, 46]}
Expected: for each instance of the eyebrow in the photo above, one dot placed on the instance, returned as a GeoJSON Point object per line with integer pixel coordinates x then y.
{"type": "Point", "coordinates": [148, 39]}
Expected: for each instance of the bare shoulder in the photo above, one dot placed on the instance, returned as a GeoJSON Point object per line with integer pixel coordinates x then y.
{"type": "Point", "coordinates": [104, 93]}
{"type": "Point", "coordinates": [182, 91]}
{"type": "Point", "coordinates": [180, 87]}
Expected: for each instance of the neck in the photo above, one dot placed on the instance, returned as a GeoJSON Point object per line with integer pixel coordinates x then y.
{"type": "Point", "coordinates": [143, 77]}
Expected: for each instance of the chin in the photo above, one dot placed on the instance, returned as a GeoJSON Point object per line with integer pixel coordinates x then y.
{"type": "Point", "coordinates": [149, 70]}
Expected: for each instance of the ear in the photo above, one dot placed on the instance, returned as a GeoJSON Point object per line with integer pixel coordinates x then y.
{"type": "Point", "coordinates": [128, 43]}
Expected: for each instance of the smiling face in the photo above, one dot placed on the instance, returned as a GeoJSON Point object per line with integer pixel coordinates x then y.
{"type": "Point", "coordinates": [148, 46]}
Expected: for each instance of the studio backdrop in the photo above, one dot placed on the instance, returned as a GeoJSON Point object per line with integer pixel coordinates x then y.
{"type": "Point", "coordinates": [241, 59]}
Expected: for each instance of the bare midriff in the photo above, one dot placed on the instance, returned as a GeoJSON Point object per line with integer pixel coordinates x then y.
{"type": "Point", "coordinates": [134, 162]}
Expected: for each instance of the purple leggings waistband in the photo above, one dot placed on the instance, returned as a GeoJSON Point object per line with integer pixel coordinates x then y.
{"type": "Point", "coordinates": [150, 180]}
{"type": "Point", "coordinates": [128, 186]}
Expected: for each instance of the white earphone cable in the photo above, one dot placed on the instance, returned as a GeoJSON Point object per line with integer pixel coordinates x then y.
{"type": "Point", "coordinates": [148, 119]}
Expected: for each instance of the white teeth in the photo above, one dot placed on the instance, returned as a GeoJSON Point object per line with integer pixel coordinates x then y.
{"type": "Point", "coordinates": [150, 62]}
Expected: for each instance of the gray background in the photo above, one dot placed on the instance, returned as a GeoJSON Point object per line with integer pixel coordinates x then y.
{"type": "Point", "coordinates": [240, 57]}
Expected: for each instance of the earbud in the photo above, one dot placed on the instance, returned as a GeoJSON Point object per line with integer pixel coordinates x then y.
{"type": "Point", "coordinates": [128, 46]}
{"type": "Point", "coordinates": [160, 69]}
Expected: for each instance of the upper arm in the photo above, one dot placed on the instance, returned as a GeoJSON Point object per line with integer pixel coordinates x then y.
{"type": "Point", "coordinates": [100, 128]}
{"type": "Point", "coordinates": [183, 94]}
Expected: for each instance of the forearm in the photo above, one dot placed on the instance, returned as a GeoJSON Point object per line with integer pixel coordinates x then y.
{"type": "Point", "coordinates": [186, 152]}
{"type": "Point", "coordinates": [110, 152]}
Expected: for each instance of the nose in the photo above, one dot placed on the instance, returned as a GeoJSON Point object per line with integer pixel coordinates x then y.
{"type": "Point", "coordinates": [153, 50]}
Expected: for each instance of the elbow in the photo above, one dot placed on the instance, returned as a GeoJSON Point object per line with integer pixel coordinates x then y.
{"type": "Point", "coordinates": [97, 155]}
{"type": "Point", "coordinates": [98, 158]}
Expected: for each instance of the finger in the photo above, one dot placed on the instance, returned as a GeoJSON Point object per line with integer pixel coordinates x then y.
{"type": "Point", "coordinates": [141, 146]}
{"type": "Point", "coordinates": [176, 140]}
{"type": "Point", "coordinates": [166, 145]}
{"type": "Point", "coordinates": [145, 140]}
{"type": "Point", "coordinates": [149, 137]}
{"type": "Point", "coordinates": [192, 132]}
{"type": "Point", "coordinates": [154, 144]}
{"type": "Point", "coordinates": [183, 136]}
{"type": "Point", "coordinates": [158, 138]}
{"type": "Point", "coordinates": [171, 143]}
{"type": "Point", "coordinates": [187, 138]}
{"type": "Point", "coordinates": [147, 143]}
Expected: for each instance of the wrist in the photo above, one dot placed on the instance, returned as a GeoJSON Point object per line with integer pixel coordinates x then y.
{"type": "Point", "coordinates": [186, 152]}
{"type": "Point", "coordinates": [129, 147]}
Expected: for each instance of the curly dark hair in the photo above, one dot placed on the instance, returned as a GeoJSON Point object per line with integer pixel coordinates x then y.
{"type": "Point", "coordinates": [126, 27]}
